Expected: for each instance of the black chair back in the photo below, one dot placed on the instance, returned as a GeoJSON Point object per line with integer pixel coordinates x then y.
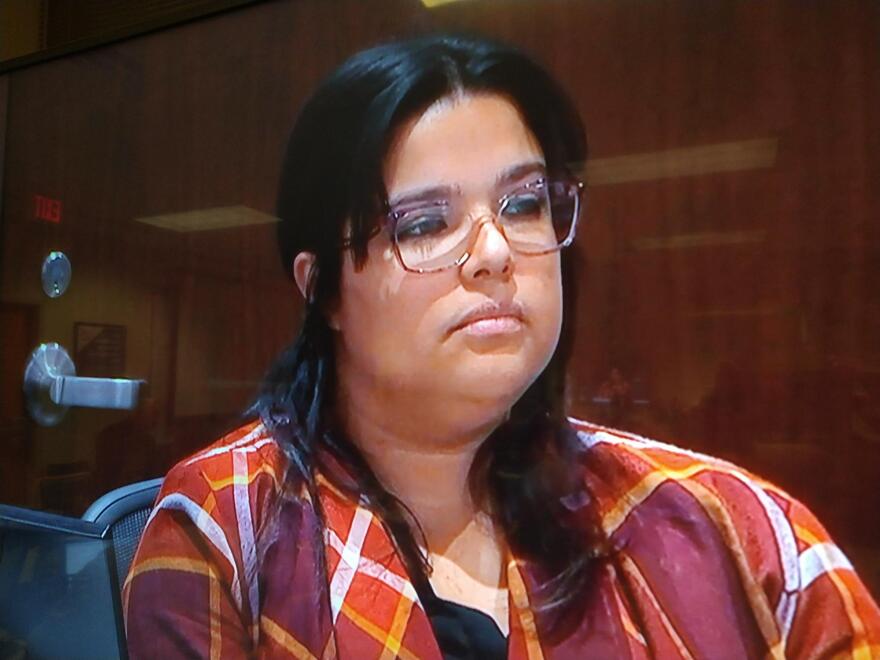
{"type": "Point", "coordinates": [125, 511]}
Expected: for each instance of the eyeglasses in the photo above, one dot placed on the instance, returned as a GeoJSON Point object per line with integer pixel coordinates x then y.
{"type": "Point", "coordinates": [535, 218]}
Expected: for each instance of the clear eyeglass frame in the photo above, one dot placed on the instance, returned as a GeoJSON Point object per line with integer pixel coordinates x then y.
{"type": "Point", "coordinates": [574, 187]}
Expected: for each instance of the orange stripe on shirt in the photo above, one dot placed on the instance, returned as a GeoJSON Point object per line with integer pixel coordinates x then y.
{"type": "Point", "coordinates": [285, 640]}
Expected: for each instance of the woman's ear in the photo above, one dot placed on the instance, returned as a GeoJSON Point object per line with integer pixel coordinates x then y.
{"type": "Point", "coordinates": [303, 264]}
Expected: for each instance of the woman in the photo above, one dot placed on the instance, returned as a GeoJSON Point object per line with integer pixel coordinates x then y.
{"type": "Point", "coordinates": [410, 487]}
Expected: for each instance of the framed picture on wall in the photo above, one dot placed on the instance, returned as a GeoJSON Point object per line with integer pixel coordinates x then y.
{"type": "Point", "coordinates": [99, 349]}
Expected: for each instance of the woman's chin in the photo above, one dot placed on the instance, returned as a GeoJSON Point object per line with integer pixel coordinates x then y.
{"type": "Point", "coordinates": [497, 375]}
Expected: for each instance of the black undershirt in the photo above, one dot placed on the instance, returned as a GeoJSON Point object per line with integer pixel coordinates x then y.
{"type": "Point", "coordinates": [462, 632]}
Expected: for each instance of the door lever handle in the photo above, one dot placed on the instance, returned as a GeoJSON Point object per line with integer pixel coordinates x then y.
{"type": "Point", "coordinates": [117, 393]}
{"type": "Point", "coordinates": [51, 386]}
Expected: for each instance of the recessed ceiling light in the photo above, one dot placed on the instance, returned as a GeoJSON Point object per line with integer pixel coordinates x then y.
{"type": "Point", "coordinates": [430, 4]}
{"type": "Point", "coordinates": [698, 240]}
{"type": "Point", "coordinates": [686, 161]}
{"type": "Point", "coordinates": [222, 217]}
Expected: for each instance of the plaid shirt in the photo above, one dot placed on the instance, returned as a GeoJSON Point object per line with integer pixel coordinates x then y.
{"type": "Point", "coordinates": [709, 562]}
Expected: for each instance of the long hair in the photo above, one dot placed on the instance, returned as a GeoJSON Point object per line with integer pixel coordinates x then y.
{"type": "Point", "coordinates": [526, 474]}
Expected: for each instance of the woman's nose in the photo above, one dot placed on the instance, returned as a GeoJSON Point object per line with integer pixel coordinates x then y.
{"type": "Point", "coordinates": [490, 254]}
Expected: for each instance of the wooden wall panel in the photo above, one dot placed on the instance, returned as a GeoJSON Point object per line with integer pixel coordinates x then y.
{"type": "Point", "coordinates": [741, 306]}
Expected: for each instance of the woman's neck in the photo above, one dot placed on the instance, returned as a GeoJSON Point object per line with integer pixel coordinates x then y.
{"type": "Point", "coordinates": [425, 470]}
{"type": "Point", "coordinates": [425, 460]}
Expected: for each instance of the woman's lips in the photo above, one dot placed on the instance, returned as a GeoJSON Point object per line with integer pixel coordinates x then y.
{"type": "Point", "coordinates": [491, 318]}
{"type": "Point", "coordinates": [493, 325]}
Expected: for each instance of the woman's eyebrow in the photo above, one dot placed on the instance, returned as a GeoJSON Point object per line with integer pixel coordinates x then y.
{"type": "Point", "coordinates": [432, 193]}
{"type": "Point", "coordinates": [520, 170]}
{"type": "Point", "coordinates": [428, 194]}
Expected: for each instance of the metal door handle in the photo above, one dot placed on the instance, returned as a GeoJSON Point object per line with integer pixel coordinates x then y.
{"type": "Point", "coordinates": [51, 386]}
{"type": "Point", "coordinates": [95, 392]}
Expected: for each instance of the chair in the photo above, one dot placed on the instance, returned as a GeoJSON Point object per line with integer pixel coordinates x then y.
{"type": "Point", "coordinates": [124, 512]}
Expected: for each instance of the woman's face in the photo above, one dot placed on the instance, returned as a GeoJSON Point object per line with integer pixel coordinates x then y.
{"type": "Point", "coordinates": [476, 333]}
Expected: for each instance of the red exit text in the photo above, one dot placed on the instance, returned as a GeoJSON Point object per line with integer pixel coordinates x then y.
{"type": "Point", "coordinates": [47, 209]}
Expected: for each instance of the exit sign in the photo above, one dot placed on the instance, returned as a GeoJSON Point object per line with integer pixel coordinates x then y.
{"type": "Point", "coordinates": [47, 209]}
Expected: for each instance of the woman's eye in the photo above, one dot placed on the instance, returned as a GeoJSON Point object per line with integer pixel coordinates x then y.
{"type": "Point", "coordinates": [421, 225]}
{"type": "Point", "coordinates": [525, 205]}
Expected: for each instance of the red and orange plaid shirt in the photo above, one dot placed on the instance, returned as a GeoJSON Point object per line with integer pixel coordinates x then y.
{"type": "Point", "coordinates": [709, 562]}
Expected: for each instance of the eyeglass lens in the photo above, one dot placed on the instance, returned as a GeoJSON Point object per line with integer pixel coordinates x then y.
{"type": "Point", "coordinates": [535, 219]}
